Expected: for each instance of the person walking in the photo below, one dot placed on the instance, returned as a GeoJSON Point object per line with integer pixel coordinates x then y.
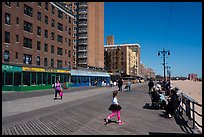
{"type": "Point", "coordinates": [128, 85]}
{"type": "Point", "coordinates": [58, 89]}
{"type": "Point", "coordinates": [120, 84]}
{"type": "Point", "coordinates": [115, 108]}
{"type": "Point", "coordinates": [151, 85]}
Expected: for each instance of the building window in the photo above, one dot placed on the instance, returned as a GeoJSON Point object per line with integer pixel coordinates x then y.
{"type": "Point", "coordinates": [52, 49]}
{"type": "Point", "coordinates": [7, 37]}
{"type": "Point", "coordinates": [17, 38]}
{"type": "Point", "coordinates": [39, 16]}
{"type": "Point", "coordinates": [28, 10]}
{"type": "Point", "coordinates": [6, 56]}
{"type": "Point", "coordinates": [46, 6]}
{"type": "Point", "coordinates": [39, 31]}
{"type": "Point", "coordinates": [7, 18]}
{"type": "Point", "coordinates": [17, 21]}
{"type": "Point", "coordinates": [59, 63]}
{"type": "Point", "coordinates": [8, 4]}
{"type": "Point", "coordinates": [38, 60]}
{"type": "Point", "coordinates": [60, 26]}
{"type": "Point", "coordinates": [59, 38]}
{"type": "Point", "coordinates": [69, 19]}
{"type": "Point", "coordinates": [38, 45]}
{"type": "Point", "coordinates": [69, 31]}
{"type": "Point", "coordinates": [69, 53]}
{"type": "Point", "coordinates": [60, 14]}
{"type": "Point", "coordinates": [46, 47]}
{"type": "Point", "coordinates": [16, 55]}
{"type": "Point", "coordinates": [65, 63]}
{"type": "Point", "coordinates": [28, 26]}
{"type": "Point", "coordinates": [45, 61]}
{"type": "Point", "coordinates": [27, 59]}
{"type": "Point", "coordinates": [52, 63]}
{"type": "Point", "coordinates": [53, 10]}
{"type": "Point", "coordinates": [59, 51]}
{"type": "Point", "coordinates": [69, 42]}
{"type": "Point", "coordinates": [52, 36]}
{"type": "Point", "coordinates": [46, 34]}
{"type": "Point", "coordinates": [53, 23]}
{"type": "Point", "coordinates": [69, 65]}
{"type": "Point", "coordinates": [27, 42]}
{"type": "Point", "coordinates": [17, 4]}
{"type": "Point", "coordinates": [46, 20]}
{"type": "Point", "coordinates": [39, 4]}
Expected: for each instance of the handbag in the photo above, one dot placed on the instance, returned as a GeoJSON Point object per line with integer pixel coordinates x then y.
{"type": "Point", "coordinates": [61, 93]}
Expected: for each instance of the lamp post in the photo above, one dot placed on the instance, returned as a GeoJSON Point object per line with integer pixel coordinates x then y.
{"type": "Point", "coordinates": [168, 72]}
{"type": "Point", "coordinates": [164, 53]}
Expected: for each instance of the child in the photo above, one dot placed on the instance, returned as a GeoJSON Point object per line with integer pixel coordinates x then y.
{"type": "Point", "coordinates": [115, 108]}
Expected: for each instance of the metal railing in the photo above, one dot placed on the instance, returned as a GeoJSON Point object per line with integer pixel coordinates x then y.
{"type": "Point", "coordinates": [190, 111]}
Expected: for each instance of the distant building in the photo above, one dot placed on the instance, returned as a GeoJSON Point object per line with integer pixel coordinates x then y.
{"type": "Point", "coordinates": [110, 40]}
{"type": "Point", "coordinates": [123, 58]}
{"type": "Point", "coordinates": [192, 77]}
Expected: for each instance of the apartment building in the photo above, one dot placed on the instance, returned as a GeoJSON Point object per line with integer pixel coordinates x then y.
{"type": "Point", "coordinates": [123, 58]}
{"type": "Point", "coordinates": [89, 33]}
{"type": "Point", "coordinates": [37, 43]}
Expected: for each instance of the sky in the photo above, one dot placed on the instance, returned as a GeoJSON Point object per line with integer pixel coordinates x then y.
{"type": "Point", "coordinates": [174, 26]}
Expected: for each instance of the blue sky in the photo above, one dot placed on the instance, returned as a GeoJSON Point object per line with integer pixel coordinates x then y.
{"type": "Point", "coordinates": [174, 26]}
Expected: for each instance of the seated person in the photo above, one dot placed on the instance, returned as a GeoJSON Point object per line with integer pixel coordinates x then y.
{"type": "Point", "coordinates": [172, 105]}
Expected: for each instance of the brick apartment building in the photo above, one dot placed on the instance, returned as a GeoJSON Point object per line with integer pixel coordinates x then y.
{"type": "Point", "coordinates": [37, 43]}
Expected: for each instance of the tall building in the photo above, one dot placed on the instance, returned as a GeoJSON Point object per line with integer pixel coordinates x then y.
{"type": "Point", "coordinates": [110, 40]}
{"type": "Point", "coordinates": [89, 33]}
{"type": "Point", "coordinates": [123, 58]}
{"type": "Point", "coordinates": [37, 43]}
{"type": "Point", "coordinates": [192, 77]}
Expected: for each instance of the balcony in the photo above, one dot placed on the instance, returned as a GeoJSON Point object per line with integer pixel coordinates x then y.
{"type": "Point", "coordinates": [82, 4]}
{"type": "Point", "coordinates": [82, 62]}
{"type": "Point", "coordinates": [83, 36]}
{"type": "Point", "coordinates": [82, 16]}
{"type": "Point", "coordinates": [82, 11]}
{"type": "Point", "coordinates": [82, 49]}
{"type": "Point", "coordinates": [82, 42]}
{"type": "Point", "coordinates": [82, 30]}
{"type": "Point", "coordinates": [82, 23]}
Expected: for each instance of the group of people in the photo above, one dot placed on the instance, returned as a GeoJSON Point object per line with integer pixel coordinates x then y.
{"type": "Point", "coordinates": [169, 100]}
{"type": "Point", "coordinates": [127, 86]}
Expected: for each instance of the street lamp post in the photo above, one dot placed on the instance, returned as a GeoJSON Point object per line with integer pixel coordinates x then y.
{"type": "Point", "coordinates": [168, 72]}
{"type": "Point", "coordinates": [164, 53]}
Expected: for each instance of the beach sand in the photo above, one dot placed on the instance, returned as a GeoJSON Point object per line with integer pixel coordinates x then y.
{"type": "Point", "coordinates": [194, 90]}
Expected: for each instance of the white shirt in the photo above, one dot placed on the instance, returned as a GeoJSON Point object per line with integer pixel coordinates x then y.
{"type": "Point", "coordinates": [115, 101]}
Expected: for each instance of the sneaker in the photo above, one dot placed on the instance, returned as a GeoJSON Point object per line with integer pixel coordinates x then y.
{"type": "Point", "coordinates": [55, 98]}
{"type": "Point", "coordinates": [120, 123]}
{"type": "Point", "coordinates": [169, 116]}
{"type": "Point", "coordinates": [106, 120]}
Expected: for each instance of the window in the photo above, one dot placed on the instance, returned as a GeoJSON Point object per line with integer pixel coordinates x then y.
{"type": "Point", "coordinates": [52, 36]}
{"type": "Point", "coordinates": [46, 19]}
{"type": "Point", "coordinates": [69, 42]}
{"type": "Point", "coordinates": [59, 38]}
{"type": "Point", "coordinates": [59, 63]}
{"type": "Point", "coordinates": [52, 63]}
{"type": "Point", "coordinates": [17, 38]}
{"type": "Point", "coordinates": [28, 10]}
{"type": "Point", "coordinates": [60, 26]}
{"type": "Point", "coordinates": [7, 37]}
{"type": "Point", "coordinates": [59, 51]}
{"type": "Point", "coordinates": [7, 19]}
{"type": "Point", "coordinates": [39, 31]}
{"type": "Point", "coordinates": [27, 59]}
{"type": "Point", "coordinates": [60, 14]}
{"type": "Point", "coordinates": [53, 10]}
{"type": "Point", "coordinates": [28, 26]}
{"type": "Point", "coordinates": [6, 56]}
{"type": "Point", "coordinates": [39, 4]}
{"type": "Point", "coordinates": [69, 53]}
{"type": "Point", "coordinates": [52, 49]}
{"type": "Point", "coordinates": [17, 21]}
{"type": "Point", "coordinates": [46, 47]}
{"type": "Point", "coordinates": [69, 31]}
{"type": "Point", "coordinates": [46, 33]}
{"type": "Point", "coordinates": [53, 23]}
{"type": "Point", "coordinates": [17, 4]}
{"type": "Point", "coordinates": [38, 45]}
{"type": "Point", "coordinates": [39, 16]}
{"type": "Point", "coordinates": [38, 60]}
{"type": "Point", "coordinates": [45, 61]}
{"type": "Point", "coordinates": [46, 6]}
{"type": "Point", "coordinates": [69, 19]}
{"type": "Point", "coordinates": [27, 42]}
{"type": "Point", "coordinates": [69, 65]}
{"type": "Point", "coordinates": [16, 55]}
{"type": "Point", "coordinates": [8, 4]}
{"type": "Point", "coordinates": [65, 63]}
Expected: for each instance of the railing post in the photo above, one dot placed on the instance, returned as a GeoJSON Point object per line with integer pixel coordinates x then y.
{"type": "Point", "coordinates": [193, 115]}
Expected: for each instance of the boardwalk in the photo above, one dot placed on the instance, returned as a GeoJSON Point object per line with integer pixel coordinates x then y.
{"type": "Point", "coordinates": [82, 113]}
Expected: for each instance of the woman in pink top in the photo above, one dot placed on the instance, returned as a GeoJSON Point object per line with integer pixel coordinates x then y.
{"type": "Point", "coordinates": [57, 89]}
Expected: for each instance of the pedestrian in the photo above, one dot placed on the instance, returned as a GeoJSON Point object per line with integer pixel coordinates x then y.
{"type": "Point", "coordinates": [58, 89]}
{"type": "Point", "coordinates": [111, 83]}
{"type": "Point", "coordinates": [115, 108]}
{"type": "Point", "coordinates": [151, 85]}
{"type": "Point", "coordinates": [128, 85]}
{"type": "Point", "coordinates": [120, 84]}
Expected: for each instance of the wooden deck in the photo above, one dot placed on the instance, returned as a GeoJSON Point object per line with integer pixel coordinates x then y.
{"type": "Point", "coordinates": [77, 115]}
